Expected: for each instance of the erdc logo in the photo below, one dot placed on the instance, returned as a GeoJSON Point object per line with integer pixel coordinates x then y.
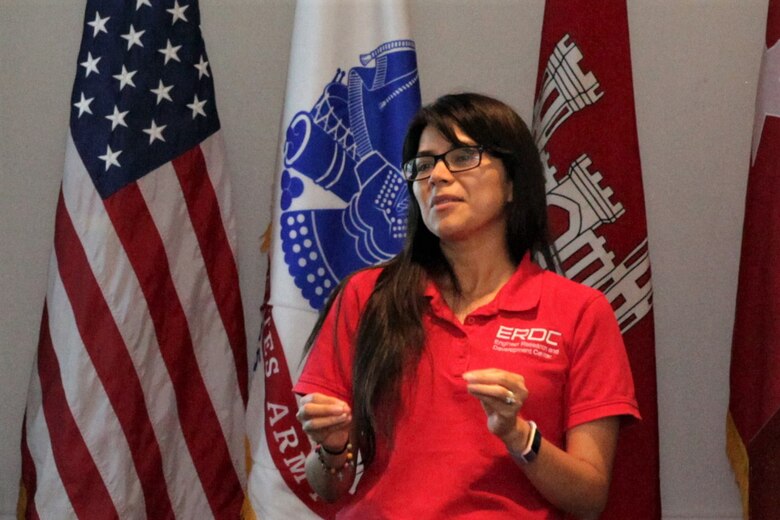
{"type": "Point", "coordinates": [537, 334]}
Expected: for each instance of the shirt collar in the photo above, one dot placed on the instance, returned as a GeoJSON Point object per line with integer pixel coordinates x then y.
{"type": "Point", "coordinates": [520, 293]}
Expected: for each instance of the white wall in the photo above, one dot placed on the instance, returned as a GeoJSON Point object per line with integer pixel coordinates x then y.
{"type": "Point", "coordinates": [695, 69]}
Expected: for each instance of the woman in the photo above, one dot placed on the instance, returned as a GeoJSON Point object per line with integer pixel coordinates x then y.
{"type": "Point", "coordinates": [470, 382]}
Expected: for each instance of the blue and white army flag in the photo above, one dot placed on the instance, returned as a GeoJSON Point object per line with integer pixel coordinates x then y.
{"type": "Point", "coordinates": [339, 205]}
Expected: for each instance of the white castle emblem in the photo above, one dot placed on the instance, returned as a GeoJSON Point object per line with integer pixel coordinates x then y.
{"type": "Point", "coordinates": [566, 90]}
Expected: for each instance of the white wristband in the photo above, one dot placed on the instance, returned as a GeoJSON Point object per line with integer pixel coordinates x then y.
{"type": "Point", "coordinates": [531, 450]}
{"type": "Point", "coordinates": [530, 444]}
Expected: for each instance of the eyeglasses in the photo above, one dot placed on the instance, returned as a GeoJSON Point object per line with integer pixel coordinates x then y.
{"type": "Point", "coordinates": [456, 160]}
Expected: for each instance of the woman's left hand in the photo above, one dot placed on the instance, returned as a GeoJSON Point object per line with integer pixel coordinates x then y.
{"type": "Point", "coordinates": [501, 394]}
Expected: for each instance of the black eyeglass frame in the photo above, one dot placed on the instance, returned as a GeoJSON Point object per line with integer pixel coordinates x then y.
{"type": "Point", "coordinates": [413, 176]}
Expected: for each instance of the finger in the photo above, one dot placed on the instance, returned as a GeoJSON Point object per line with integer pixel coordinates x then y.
{"type": "Point", "coordinates": [507, 385]}
{"type": "Point", "coordinates": [483, 373]}
{"type": "Point", "coordinates": [502, 405]}
{"type": "Point", "coordinates": [316, 405]}
{"type": "Point", "coordinates": [495, 376]}
{"type": "Point", "coordinates": [325, 425]}
{"type": "Point", "coordinates": [497, 393]}
{"type": "Point", "coordinates": [318, 398]}
{"type": "Point", "coordinates": [311, 410]}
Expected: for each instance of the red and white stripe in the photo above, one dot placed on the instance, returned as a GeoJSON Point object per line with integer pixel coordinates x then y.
{"type": "Point", "coordinates": [136, 406]}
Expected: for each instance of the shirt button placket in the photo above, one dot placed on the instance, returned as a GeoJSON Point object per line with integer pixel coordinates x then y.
{"type": "Point", "coordinates": [465, 344]}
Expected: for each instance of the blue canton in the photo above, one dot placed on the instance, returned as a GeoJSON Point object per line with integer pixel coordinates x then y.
{"type": "Point", "coordinates": [143, 93]}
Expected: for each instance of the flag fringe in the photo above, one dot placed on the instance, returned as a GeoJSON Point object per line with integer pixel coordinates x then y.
{"type": "Point", "coordinates": [247, 512]}
{"type": "Point", "coordinates": [265, 245]}
{"type": "Point", "coordinates": [740, 462]}
{"type": "Point", "coordinates": [21, 504]}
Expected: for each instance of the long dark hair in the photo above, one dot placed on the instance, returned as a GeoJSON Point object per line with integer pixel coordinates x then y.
{"type": "Point", "coordinates": [390, 336]}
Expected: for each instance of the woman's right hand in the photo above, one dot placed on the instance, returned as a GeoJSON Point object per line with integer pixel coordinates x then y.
{"type": "Point", "coordinates": [327, 420]}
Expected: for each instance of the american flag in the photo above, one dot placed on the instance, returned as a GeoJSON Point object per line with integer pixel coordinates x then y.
{"type": "Point", "coordinates": [136, 401]}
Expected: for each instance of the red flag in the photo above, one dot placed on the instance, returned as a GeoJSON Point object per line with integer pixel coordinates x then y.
{"type": "Point", "coordinates": [753, 440]}
{"type": "Point", "coordinates": [585, 126]}
{"type": "Point", "coordinates": [136, 401]}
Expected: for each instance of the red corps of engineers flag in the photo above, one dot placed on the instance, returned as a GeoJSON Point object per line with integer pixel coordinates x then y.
{"type": "Point", "coordinates": [753, 425]}
{"type": "Point", "coordinates": [585, 127]}
{"type": "Point", "coordinates": [136, 401]}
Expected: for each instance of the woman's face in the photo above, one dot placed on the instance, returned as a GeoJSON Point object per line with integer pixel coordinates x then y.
{"type": "Point", "coordinates": [465, 205]}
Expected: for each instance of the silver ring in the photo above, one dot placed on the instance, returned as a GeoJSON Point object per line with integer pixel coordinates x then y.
{"type": "Point", "coordinates": [510, 397]}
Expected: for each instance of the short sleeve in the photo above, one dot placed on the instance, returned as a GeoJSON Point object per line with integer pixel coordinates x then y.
{"type": "Point", "coordinates": [600, 382]}
{"type": "Point", "coordinates": [328, 367]}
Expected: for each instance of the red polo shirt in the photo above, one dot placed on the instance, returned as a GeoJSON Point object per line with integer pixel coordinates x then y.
{"type": "Point", "coordinates": [562, 337]}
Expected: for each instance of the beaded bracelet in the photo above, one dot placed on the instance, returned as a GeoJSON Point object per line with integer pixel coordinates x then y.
{"type": "Point", "coordinates": [319, 448]}
{"type": "Point", "coordinates": [342, 450]}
